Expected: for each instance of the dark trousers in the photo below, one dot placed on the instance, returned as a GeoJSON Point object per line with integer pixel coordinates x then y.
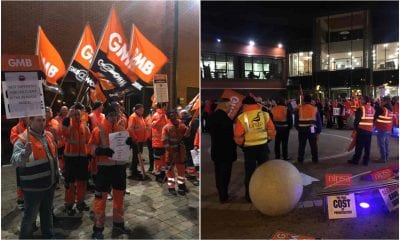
{"type": "Point", "coordinates": [222, 178]}
{"type": "Point", "coordinates": [151, 154]}
{"type": "Point", "coordinates": [253, 157]}
{"type": "Point", "coordinates": [312, 139]}
{"type": "Point", "coordinates": [136, 148]}
{"type": "Point", "coordinates": [282, 137]}
{"type": "Point", "coordinates": [363, 141]}
{"type": "Point", "coordinates": [340, 122]}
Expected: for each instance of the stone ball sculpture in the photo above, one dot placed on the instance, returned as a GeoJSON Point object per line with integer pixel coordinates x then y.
{"type": "Point", "coordinates": [275, 187]}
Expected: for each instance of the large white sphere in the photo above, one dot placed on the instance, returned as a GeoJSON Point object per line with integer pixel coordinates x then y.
{"type": "Point", "coordinates": [275, 187]}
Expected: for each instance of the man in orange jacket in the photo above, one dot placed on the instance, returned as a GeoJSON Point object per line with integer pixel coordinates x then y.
{"type": "Point", "coordinates": [110, 173]}
{"type": "Point", "coordinates": [159, 120]}
{"type": "Point", "coordinates": [137, 131]}
{"type": "Point", "coordinates": [76, 152]}
{"type": "Point", "coordinates": [282, 118]}
{"type": "Point", "coordinates": [172, 137]}
{"type": "Point", "coordinates": [148, 121]}
{"type": "Point", "coordinates": [96, 116]}
{"type": "Point", "coordinates": [253, 129]}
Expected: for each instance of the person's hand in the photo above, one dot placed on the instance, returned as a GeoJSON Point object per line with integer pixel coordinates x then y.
{"type": "Point", "coordinates": [28, 148]}
{"type": "Point", "coordinates": [129, 141]}
{"type": "Point", "coordinates": [196, 148]}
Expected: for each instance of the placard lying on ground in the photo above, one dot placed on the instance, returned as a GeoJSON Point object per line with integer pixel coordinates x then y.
{"type": "Point", "coordinates": [342, 206]}
{"type": "Point", "coordinates": [285, 235]}
{"type": "Point", "coordinates": [391, 197]}
{"type": "Point", "coordinates": [335, 180]}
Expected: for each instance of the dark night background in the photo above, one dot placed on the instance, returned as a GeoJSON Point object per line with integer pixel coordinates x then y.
{"type": "Point", "coordinates": [290, 23]}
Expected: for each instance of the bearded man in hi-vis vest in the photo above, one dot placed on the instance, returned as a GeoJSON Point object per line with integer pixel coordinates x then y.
{"type": "Point", "coordinates": [253, 129]}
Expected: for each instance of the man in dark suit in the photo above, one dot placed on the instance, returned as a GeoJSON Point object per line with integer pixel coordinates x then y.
{"type": "Point", "coordinates": [223, 147]}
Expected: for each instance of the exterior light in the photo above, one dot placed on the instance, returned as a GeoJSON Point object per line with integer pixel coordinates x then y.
{"type": "Point", "coordinates": [251, 43]}
{"type": "Point", "coordinates": [301, 54]}
{"type": "Point", "coordinates": [349, 53]}
{"type": "Point", "coordinates": [332, 59]}
{"type": "Point", "coordinates": [373, 51]}
{"type": "Point", "coordinates": [390, 56]}
{"type": "Point", "coordinates": [385, 45]}
{"type": "Point", "coordinates": [311, 53]}
{"type": "Point", "coordinates": [218, 40]}
{"type": "Point", "coordinates": [318, 87]}
{"type": "Point", "coordinates": [280, 45]}
{"type": "Point", "coordinates": [59, 100]}
{"type": "Point", "coordinates": [327, 55]}
{"type": "Point", "coordinates": [358, 64]}
{"type": "Point", "coordinates": [364, 205]}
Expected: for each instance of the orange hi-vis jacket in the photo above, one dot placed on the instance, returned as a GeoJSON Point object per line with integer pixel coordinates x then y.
{"type": "Point", "coordinates": [96, 118]}
{"type": "Point", "coordinates": [39, 172]}
{"type": "Point", "coordinates": [385, 121]}
{"type": "Point", "coordinates": [367, 118]}
{"type": "Point", "coordinates": [307, 116]}
{"type": "Point", "coordinates": [253, 127]}
{"type": "Point", "coordinates": [279, 113]}
{"type": "Point", "coordinates": [76, 136]}
{"type": "Point", "coordinates": [148, 121]}
{"type": "Point", "coordinates": [172, 138]}
{"type": "Point", "coordinates": [122, 121]}
{"type": "Point", "coordinates": [159, 120]}
{"type": "Point", "coordinates": [137, 128]}
{"type": "Point", "coordinates": [100, 138]}
{"type": "Point", "coordinates": [16, 130]}
{"type": "Point", "coordinates": [54, 127]}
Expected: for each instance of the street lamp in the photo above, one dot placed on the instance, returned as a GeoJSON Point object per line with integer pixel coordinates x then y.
{"type": "Point", "coordinates": [280, 45]}
{"type": "Point", "coordinates": [251, 43]}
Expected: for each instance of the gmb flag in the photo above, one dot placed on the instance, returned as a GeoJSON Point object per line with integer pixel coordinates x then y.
{"type": "Point", "coordinates": [80, 65]}
{"type": "Point", "coordinates": [112, 58]}
{"type": "Point", "coordinates": [147, 59]}
{"type": "Point", "coordinates": [50, 60]}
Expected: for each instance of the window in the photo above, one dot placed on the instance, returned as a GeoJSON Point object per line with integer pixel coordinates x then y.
{"type": "Point", "coordinates": [300, 64]}
{"type": "Point", "coordinates": [262, 68]}
{"type": "Point", "coordinates": [385, 56]}
{"type": "Point", "coordinates": [217, 66]}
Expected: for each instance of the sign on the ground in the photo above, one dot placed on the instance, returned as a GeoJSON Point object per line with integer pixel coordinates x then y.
{"type": "Point", "coordinates": [22, 86]}
{"type": "Point", "coordinates": [335, 180]}
{"type": "Point", "coordinates": [342, 206]}
{"type": "Point", "coordinates": [160, 87]}
{"type": "Point", "coordinates": [391, 197]}
{"type": "Point", "coordinates": [286, 235]}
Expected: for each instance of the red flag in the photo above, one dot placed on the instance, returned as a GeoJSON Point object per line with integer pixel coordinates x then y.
{"type": "Point", "coordinates": [147, 59]}
{"type": "Point", "coordinates": [82, 59]}
{"type": "Point", "coordinates": [112, 58]}
{"type": "Point", "coordinates": [236, 101]}
{"type": "Point", "coordinates": [50, 60]}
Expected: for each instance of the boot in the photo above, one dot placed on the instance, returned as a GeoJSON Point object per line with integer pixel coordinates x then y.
{"type": "Point", "coordinates": [172, 191]}
{"type": "Point", "coordinates": [82, 206]}
{"type": "Point", "coordinates": [182, 189]}
{"type": "Point", "coordinates": [161, 177]}
{"type": "Point", "coordinates": [70, 211]}
{"type": "Point", "coordinates": [122, 228]}
{"type": "Point", "coordinates": [97, 233]}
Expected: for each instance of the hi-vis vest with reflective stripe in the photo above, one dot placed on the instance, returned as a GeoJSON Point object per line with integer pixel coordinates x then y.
{"type": "Point", "coordinates": [254, 123]}
{"type": "Point", "coordinates": [104, 160]}
{"type": "Point", "coordinates": [280, 116]}
{"type": "Point", "coordinates": [385, 121]}
{"type": "Point", "coordinates": [39, 173]}
{"type": "Point", "coordinates": [137, 126]}
{"type": "Point", "coordinates": [158, 122]}
{"type": "Point", "coordinates": [76, 140]}
{"type": "Point", "coordinates": [307, 115]}
{"type": "Point", "coordinates": [172, 138]}
{"type": "Point", "coordinates": [367, 118]}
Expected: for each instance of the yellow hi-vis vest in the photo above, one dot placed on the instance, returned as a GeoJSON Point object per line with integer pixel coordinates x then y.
{"type": "Point", "coordinates": [254, 123]}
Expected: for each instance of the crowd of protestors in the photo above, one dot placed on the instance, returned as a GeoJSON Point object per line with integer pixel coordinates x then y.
{"type": "Point", "coordinates": [75, 146]}
{"type": "Point", "coordinates": [258, 122]}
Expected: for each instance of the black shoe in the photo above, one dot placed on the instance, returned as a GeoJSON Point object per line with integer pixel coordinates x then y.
{"type": "Point", "coordinates": [82, 206]}
{"type": "Point", "coordinates": [120, 227]}
{"type": "Point", "coordinates": [172, 191]}
{"type": "Point", "coordinates": [70, 211]}
{"type": "Point", "coordinates": [97, 235]}
{"type": "Point", "coordinates": [20, 204]}
{"type": "Point", "coordinates": [286, 158]}
{"type": "Point", "coordinates": [35, 227]}
{"type": "Point", "coordinates": [161, 178]}
{"type": "Point", "coordinates": [352, 162]}
{"type": "Point", "coordinates": [182, 189]}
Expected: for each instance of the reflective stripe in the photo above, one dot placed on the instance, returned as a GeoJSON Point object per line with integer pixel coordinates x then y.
{"type": "Point", "coordinates": [365, 124]}
{"type": "Point", "coordinates": [35, 176]}
{"type": "Point", "coordinates": [110, 163]}
{"type": "Point", "coordinates": [35, 163]}
{"type": "Point", "coordinates": [102, 136]}
{"type": "Point", "coordinates": [383, 121]}
{"type": "Point", "coordinates": [75, 155]}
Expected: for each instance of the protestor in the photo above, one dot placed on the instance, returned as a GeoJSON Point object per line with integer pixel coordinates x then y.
{"type": "Point", "coordinates": [175, 153]}
{"type": "Point", "coordinates": [384, 120]}
{"type": "Point", "coordinates": [110, 174]}
{"type": "Point", "coordinates": [137, 131]}
{"type": "Point", "coordinates": [308, 124]}
{"type": "Point", "coordinates": [282, 118]}
{"type": "Point", "coordinates": [223, 147]}
{"type": "Point", "coordinates": [253, 129]}
{"type": "Point", "coordinates": [54, 127]}
{"type": "Point", "coordinates": [15, 131]}
{"type": "Point", "coordinates": [76, 157]}
{"type": "Point", "coordinates": [96, 116]}
{"type": "Point", "coordinates": [35, 153]}
{"type": "Point", "coordinates": [159, 120]}
{"type": "Point", "coordinates": [63, 113]}
{"type": "Point", "coordinates": [364, 126]}
{"type": "Point", "coordinates": [148, 121]}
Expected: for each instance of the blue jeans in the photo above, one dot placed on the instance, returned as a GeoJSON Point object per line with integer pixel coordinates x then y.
{"type": "Point", "coordinates": [38, 202]}
{"type": "Point", "coordinates": [383, 144]}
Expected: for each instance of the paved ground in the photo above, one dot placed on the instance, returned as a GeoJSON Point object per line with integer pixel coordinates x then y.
{"type": "Point", "coordinates": [149, 211]}
{"type": "Point", "coordinates": [239, 219]}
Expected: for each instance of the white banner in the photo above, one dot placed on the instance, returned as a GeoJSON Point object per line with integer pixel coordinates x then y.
{"type": "Point", "coordinates": [23, 94]}
{"type": "Point", "coordinates": [118, 145]}
{"type": "Point", "coordinates": [342, 206]}
{"type": "Point", "coordinates": [160, 88]}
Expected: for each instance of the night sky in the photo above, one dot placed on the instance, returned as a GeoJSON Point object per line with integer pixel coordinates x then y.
{"type": "Point", "coordinates": [268, 23]}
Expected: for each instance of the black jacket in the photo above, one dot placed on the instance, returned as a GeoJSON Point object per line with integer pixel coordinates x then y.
{"type": "Point", "coordinates": [223, 147]}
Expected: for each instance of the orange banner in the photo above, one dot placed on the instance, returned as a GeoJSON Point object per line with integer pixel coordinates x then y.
{"type": "Point", "coordinates": [147, 59]}
{"type": "Point", "coordinates": [50, 60]}
{"type": "Point", "coordinates": [236, 101]}
{"type": "Point", "coordinates": [97, 94]}
{"type": "Point", "coordinates": [85, 52]}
